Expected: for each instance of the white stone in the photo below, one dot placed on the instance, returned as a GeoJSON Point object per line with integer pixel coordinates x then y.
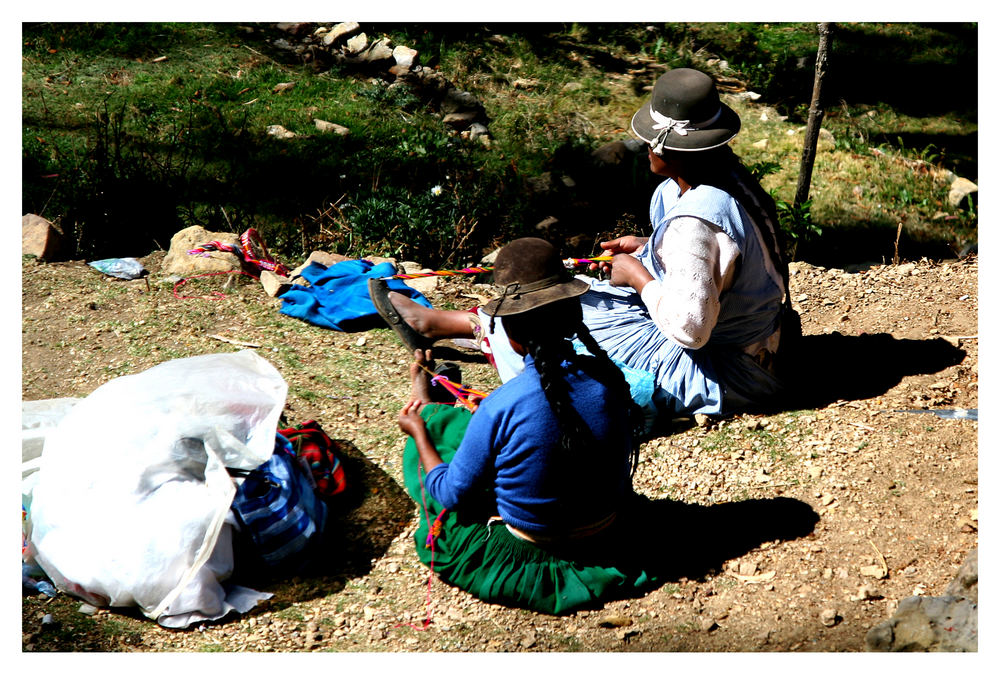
{"type": "Point", "coordinates": [277, 131]}
{"type": "Point", "coordinates": [960, 189]}
{"type": "Point", "coordinates": [404, 56]}
{"type": "Point", "coordinates": [179, 261]}
{"type": "Point", "coordinates": [340, 30]}
{"type": "Point", "coordinates": [331, 127]}
{"type": "Point", "coordinates": [357, 44]}
{"type": "Point", "coordinates": [274, 284]}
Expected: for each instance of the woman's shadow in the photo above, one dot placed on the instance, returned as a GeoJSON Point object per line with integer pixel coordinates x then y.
{"type": "Point", "coordinates": [691, 541]}
{"type": "Point", "coordinates": [823, 369]}
{"type": "Point", "coordinates": [683, 540]}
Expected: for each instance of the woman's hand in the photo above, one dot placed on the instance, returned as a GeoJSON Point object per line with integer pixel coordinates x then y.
{"type": "Point", "coordinates": [410, 421]}
{"type": "Point", "coordinates": [622, 245]}
{"type": "Point", "coordinates": [626, 270]}
{"type": "Point", "coordinates": [412, 424]}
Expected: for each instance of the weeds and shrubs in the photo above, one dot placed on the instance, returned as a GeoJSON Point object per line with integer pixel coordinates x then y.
{"type": "Point", "coordinates": [797, 224]}
{"type": "Point", "coordinates": [122, 148]}
{"type": "Point", "coordinates": [795, 220]}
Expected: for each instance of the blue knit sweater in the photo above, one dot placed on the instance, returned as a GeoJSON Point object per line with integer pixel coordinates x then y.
{"type": "Point", "coordinates": [512, 443]}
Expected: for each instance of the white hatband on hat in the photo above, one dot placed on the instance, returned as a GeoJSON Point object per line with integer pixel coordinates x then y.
{"type": "Point", "coordinates": [666, 124]}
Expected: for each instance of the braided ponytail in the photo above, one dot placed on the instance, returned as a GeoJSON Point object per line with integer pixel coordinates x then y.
{"type": "Point", "coordinates": [547, 335]}
{"type": "Point", "coordinates": [602, 368]}
{"type": "Point", "coordinates": [548, 356]}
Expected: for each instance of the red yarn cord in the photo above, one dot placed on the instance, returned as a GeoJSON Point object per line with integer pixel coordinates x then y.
{"type": "Point", "coordinates": [433, 530]}
{"type": "Point", "coordinates": [216, 295]}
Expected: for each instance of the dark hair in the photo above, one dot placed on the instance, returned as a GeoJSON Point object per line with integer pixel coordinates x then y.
{"type": "Point", "coordinates": [547, 334]}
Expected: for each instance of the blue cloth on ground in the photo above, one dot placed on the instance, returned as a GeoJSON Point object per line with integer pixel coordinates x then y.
{"type": "Point", "coordinates": [338, 297]}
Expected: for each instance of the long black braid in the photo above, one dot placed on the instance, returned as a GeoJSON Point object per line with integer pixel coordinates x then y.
{"type": "Point", "coordinates": [608, 373]}
{"type": "Point", "coordinates": [547, 333]}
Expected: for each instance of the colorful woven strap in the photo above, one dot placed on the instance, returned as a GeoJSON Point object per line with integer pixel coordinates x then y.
{"type": "Point", "coordinates": [440, 273]}
{"type": "Point", "coordinates": [261, 260]}
{"type": "Point", "coordinates": [568, 262]}
{"type": "Point", "coordinates": [467, 397]}
{"type": "Point", "coordinates": [312, 445]}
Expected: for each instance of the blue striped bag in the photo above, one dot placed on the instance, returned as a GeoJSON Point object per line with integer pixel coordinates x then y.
{"type": "Point", "coordinates": [278, 508]}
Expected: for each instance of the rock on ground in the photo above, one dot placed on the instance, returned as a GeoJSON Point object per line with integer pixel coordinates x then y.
{"type": "Point", "coordinates": [179, 262]}
{"type": "Point", "coordinates": [39, 237]}
{"type": "Point", "coordinates": [947, 623]}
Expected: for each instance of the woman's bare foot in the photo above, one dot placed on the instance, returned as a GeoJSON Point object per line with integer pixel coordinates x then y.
{"type": "Point", "coordinates": [420, 379]}
{"type": "Point", "coordinates": [431, 322]}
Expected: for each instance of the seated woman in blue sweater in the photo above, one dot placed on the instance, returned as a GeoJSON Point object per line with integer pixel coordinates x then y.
{"type": "Point", "coordinates": [526, 494]}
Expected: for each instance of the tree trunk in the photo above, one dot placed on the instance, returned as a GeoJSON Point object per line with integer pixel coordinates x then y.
{"type": "Point", "coordinates": [815, 117]}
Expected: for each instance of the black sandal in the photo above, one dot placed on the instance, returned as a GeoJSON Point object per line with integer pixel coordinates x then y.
{"type": "Point", "coordinates": [379, 291]}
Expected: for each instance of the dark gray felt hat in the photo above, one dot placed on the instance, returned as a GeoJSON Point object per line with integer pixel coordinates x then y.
{"type": "Point", "coordinates": [685, 113]}
{"type": "Point", "coordinates": [531, 274]}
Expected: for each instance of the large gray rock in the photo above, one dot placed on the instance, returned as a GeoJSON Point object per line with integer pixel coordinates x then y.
{"type": "Point", "coordinates": [357, 44]}
{"type": "Point", "coordinates": [381, 50]}
{"type": "Point", "coordinates": [966, 582]}
{"type": "Point", "coordinates": [461, 120]}
{"type": "Point", "coordinates": [277, 131]}
{"type": "Point", "coordinates": [947, 623]}
{"type": "Point", "coordinates": [928, 624]}
{"type": "Point", "coordinates": [295, 28]}
{"type": "Point", "coordinates": [39, 237]}
{"type": "Point", "coordinates": [456, 100]}
{"type": "Point", "coordinates": [331, 127]}
{"type": "Point", "coordinates": [274, 284]}
{"type": "Point", "coordinates": [477, 130]}
{"type": "Point", "coordinates": [179, 262]}
{"type": "Point", "coordinates": [611, 154]}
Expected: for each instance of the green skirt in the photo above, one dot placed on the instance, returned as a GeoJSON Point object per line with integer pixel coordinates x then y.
{"type": "Point", "coordinates": [496, 566]}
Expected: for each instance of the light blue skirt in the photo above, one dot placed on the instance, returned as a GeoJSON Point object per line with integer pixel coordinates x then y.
{"type": "Point", "coordinates": [711, 380]}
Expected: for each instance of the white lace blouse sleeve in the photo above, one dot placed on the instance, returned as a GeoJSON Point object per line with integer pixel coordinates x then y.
{"type": "Point", "coordinates": [700, 261]}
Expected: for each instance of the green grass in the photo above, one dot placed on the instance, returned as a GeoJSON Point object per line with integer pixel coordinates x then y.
{"type": "Point", "coordinates": [211, 648]}
{"type": "Point", "coordinates": [121, 630]}
{"type": "Point", "coordinates": [165, 124]}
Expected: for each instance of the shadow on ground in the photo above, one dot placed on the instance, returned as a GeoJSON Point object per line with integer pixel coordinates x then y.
{"type": "Point", "coordinates": [833, 367]}
{"type": "Point", "coordinates": [671, 541]}
{"type": "Point", "coordinates": [696, 540]}
{"type": "Point", "coordinates": [361, 524]}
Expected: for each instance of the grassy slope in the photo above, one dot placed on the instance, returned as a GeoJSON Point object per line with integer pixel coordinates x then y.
{"type": "Point", "coordinates": [113, 133]}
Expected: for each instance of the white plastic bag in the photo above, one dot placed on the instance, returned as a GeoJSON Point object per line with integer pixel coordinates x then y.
{"type": "Point", "coordinates": [38, 419]}
{"type": "Point", "coordinates": [132, 490]}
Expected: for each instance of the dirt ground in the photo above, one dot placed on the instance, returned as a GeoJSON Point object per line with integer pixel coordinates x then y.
{"type": "Point", "coordinates": [795, 530]}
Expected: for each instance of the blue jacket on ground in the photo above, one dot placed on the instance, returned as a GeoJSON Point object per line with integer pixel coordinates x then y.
{"type": "Point", "coordinates": [338, 298]}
